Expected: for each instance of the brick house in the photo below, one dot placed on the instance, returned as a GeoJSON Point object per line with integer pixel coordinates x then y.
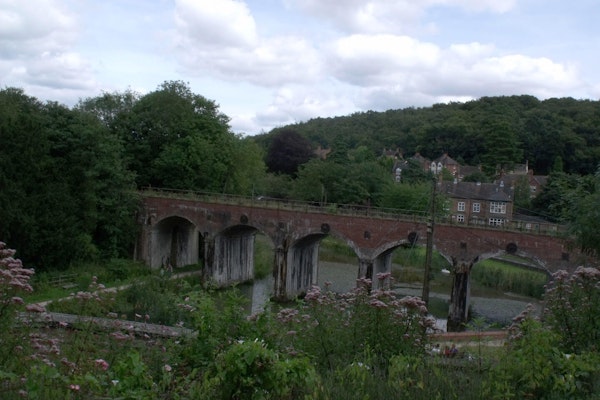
{"type": "Point", "coordinates": [445, 161]}
{"type": "Point", "coordinates": [478, 203]}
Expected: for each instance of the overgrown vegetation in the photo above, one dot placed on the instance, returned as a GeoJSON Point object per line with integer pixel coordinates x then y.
{"type": "Point", "coordinates": [504, 277]}
{"type": "Point", "coordinates": [353, 346]}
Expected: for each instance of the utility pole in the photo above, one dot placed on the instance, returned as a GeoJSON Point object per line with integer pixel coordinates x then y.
{"type": "Point", "coordinates": [429, 248]}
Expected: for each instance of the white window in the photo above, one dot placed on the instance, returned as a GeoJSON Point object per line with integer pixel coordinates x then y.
{"type": "Point", "coordinates": [497, 207]}
{"type": "Point", "coordinates": [460, 218]}
{"type": "Point", "coordinates": [496, 221]}
{"type": "Point", "coordinates": [461, 206]}
{"type": "Point", "coordinates": [476, 207]}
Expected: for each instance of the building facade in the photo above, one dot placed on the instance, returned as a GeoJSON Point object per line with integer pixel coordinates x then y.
{"type": "Point", "coordinates": [477, 203]}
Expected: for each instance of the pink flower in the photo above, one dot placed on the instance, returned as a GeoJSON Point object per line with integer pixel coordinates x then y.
{"type": "Point", "coordinates": [102, 364]}
{"type": "Point", "coordinates": [74, 387]}
{"type": "Point", "coordinates": [168, 368]}
{"type": "Point", "coordinates": [35, 308]}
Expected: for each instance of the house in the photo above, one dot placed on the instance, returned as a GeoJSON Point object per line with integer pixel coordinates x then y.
{"type": "Point", "coordinates": [424, 162]}
{"type": "Point", "coordinates": [445, 161]}
{"type": "Point", "coordinates": [479, 203]}
{"type": "Point", "coordinates": [535, 182]}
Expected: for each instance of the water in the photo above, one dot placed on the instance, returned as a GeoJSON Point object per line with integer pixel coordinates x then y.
{"type": "Point", "coordinates": [499, 309]}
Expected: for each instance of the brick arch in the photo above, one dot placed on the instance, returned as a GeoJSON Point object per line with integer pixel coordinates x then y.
{"type": "Point", "coordinates": [539, 264]}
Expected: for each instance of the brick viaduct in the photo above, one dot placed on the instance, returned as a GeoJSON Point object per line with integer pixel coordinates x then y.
{"type": "Point", "coordinates": [219, 231]}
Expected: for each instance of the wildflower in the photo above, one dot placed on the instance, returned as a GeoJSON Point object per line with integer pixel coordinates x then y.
{"type": "Point", "coordinates": [102, 364]}
{"type": "Point", "coordinates": [377, 303]}
{"type": "Point", "coordinates": [168, 368]}
{"type": "Point", "coordinates": [74, 387]}
{"type": "Point", "coordinates": [35, 308]}
{"type": "Point", "coordinates": [119, 336]}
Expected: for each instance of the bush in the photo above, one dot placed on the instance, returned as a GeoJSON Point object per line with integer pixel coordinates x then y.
{"type": "Point", "coordinates": [250, 370]}
{"type": "Point", "coordinates": [572, 309]}
{"type": "Point", "coordinates": [335, 330]}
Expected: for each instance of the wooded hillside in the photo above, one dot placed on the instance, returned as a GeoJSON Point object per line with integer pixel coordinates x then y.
{"type": "Point", "coordinates": [488, 131]}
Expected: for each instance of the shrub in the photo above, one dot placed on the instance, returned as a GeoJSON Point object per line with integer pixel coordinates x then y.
{"type": "Point", "coordinates": [572, 309]}
{"type": "Point", "coordinates": [534, 366]}
{"type": "Point", "coordinates": [335, 329]}
{"type": "Point", "coordinates": [250, 370]}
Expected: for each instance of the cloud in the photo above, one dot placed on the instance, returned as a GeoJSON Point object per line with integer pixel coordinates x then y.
{"type": "Point", "coordinates": [36, 50]}
{"type": "Point", "coordinates": [385, 16]}
{"type": "Point", "coordinates": [229, 47]}
{"type": "Point", "coordinates": [465, 72]}
{"type": "Point", "coordinates": [223, 23]}
{"type": "Point", "coordinates": [376, 59]}
{"type": "Point", "coordinates": [294, 104]}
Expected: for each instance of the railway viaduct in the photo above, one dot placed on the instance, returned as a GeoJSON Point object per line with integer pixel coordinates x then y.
{"type": "Point", "coordinates": [219, 232]}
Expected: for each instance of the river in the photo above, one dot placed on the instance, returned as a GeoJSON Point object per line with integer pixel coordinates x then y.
{"type": "Point", "coordinates": [498, 308]}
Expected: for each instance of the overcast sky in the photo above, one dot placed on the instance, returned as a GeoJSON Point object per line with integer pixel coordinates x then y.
{"type": "Point", "coordinates": [268, 63]}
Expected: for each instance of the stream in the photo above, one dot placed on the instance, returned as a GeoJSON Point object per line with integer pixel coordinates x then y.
{"type": "Point", "coordinates": [498, 308]}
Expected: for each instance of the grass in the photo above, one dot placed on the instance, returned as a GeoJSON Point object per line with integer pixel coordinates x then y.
{"type": "Point", "coordinates": [111, 273]}
{"type": "Point", "coordinates": [263, 257]}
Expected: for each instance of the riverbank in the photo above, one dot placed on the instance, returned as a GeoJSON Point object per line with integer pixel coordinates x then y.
{"type": "Point", "coordinates": [498, 309]}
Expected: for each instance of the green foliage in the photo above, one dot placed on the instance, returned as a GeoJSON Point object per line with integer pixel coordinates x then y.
{"type": "Point", "coordinates": [358, 345]}
{"type": "Point", "coordinates": [534, 367]}
{"type": "Point", "coordinates": [72, 165]}
{"type": "Point", "coordinates": [250, 370]}
{"type": "Point", "coordinates": [263, 257]}
{"type": "Point", "coordinates": [409, 198]}
{"type": "Point", "coordinates": [490, 131]}
{"type": "Point", "coordinates": [572, 302]}
{"type": "Point", "coordinates": [507, 278]}
{"type": "Point", "coordinates": [331, 330]}
{"type": "Point", "coordinates": [335, 250]}
{"type": "Point", "coordinates": [584, 214]}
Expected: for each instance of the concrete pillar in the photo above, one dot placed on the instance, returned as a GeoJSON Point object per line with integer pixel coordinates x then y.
{"type": "Point", "coordinates": [459, 297]}
{"type": "Point", "coordinates": [365, 268]}
{"type": "Point", "coordinates": [382, 265]}
{"type": "Point", "coordinates": [233, 258]}
{"type": "Point", "coordinates": [295, 269]}
{"type": "Point", "coordinates": [280, 273]}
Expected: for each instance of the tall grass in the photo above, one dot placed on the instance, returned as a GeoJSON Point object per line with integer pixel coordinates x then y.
{"type": "Point", "coordinates": [263, 257]}
{"type": "Point", "coordinates": [335, 250]}
{"type": "Point", "coordinates": [509, 278]}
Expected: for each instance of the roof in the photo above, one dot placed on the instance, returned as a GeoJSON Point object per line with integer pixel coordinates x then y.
{"type": "Point", "coordinates": [478, 191]}
{"type": "Point", "coordinates": [445, 159]}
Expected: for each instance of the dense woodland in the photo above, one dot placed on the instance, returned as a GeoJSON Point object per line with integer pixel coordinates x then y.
{"type": "Point", "coordinates": [68, 176]}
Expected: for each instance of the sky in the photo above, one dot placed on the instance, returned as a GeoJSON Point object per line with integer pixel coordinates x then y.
{"type": "Point", "coordinates": [269, 63]}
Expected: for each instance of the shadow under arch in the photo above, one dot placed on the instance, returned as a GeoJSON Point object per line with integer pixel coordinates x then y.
{"type": "Point", "coordinates": [175, 243]}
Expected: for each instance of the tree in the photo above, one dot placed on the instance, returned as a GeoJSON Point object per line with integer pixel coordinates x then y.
{"type": "Point", "coordinates": [66, 193]}
{"type": "Point", "coordinates": [287, 151]}
{"type": "Point", "coordinates": [585, 214]}
{"type": "Point", "coordinates": [501, 147]}
{"type": "Point", "coordinates": [168, 120]}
